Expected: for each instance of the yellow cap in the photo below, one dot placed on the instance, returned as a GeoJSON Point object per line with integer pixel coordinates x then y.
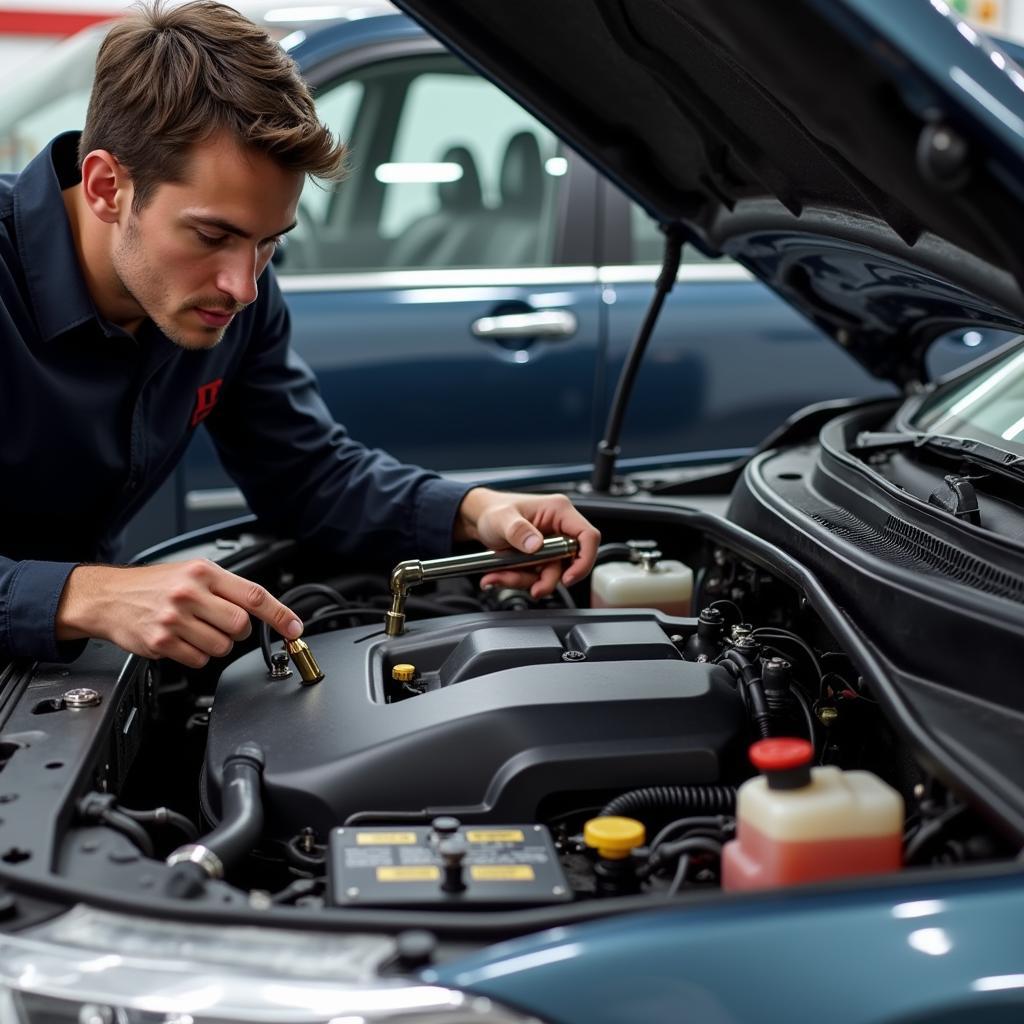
{"type": "Point", "coordinates": [613, 838]}
{"type": "Point", "coordinates": [403, 673]}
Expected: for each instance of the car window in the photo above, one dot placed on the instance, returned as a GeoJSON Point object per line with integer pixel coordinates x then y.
{"type": "Point", "coordinates": [338, 109]}
{"type": "Point", "coordinates": [444, 171]}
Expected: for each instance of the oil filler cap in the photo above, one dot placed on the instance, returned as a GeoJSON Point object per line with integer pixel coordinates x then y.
{"type": "Point", "coordinates": [403, 673]}
{"type": "Point", "coordinates": [614, 838]}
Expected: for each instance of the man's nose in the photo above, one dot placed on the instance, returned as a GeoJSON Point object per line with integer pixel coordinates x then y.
{"type": "Point", "coordinates": [237, 278]}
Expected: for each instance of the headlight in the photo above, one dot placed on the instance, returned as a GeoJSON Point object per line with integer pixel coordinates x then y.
{"type": "Point", "coordinates": [91, 967]}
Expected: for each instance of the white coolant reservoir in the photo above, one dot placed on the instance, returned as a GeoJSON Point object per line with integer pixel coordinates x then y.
{"type": "Point", "coordinates": [799, 824]}
{"type": "Point", "coordinates": [650, 582]}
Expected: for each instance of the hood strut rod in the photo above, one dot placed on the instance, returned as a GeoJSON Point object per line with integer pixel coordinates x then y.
{"type": "Point", "coordinates": [608, 449]}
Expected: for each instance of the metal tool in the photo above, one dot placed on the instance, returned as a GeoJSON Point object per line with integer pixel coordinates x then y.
{"type": "Point", "coordinates": [410, 573]}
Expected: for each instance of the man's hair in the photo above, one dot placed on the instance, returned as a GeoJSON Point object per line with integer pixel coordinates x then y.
{"type": "Point", "coordinates": [170, 77]}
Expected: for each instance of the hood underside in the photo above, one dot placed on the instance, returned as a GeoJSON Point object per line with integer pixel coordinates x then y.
{"type": "Point", "coordinates": [816, 142]}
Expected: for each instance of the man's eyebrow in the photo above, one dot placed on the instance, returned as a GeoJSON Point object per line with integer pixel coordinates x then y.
{"type": "Point", "coordinates": [232, 229]}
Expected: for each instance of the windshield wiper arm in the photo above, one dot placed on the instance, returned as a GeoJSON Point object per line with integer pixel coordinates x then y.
{"type": "Point", "coordinates": [968, 448]}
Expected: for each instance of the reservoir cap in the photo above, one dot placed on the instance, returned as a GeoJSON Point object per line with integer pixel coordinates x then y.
{"type": "Point", "coordinates": [786, 760]}
{"type": "Point", "coordinates": [613, 837]}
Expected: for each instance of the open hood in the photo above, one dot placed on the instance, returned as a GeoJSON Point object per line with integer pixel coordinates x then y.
{"type": "Point", "coordinates": [865, 158]}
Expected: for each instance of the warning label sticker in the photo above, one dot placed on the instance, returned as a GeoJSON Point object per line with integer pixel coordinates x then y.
{"type": "Point", "coordinates": [501, 873]}
{"type": "Point", "coordinates": [419, 873]}
{"type": "Point", "coordinates": [495, 835]}
{"type": "Point", "coordinates": [385, 838]}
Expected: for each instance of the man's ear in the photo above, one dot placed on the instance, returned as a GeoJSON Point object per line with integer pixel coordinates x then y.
{"type": "Point", "coordinates": [106, 185]}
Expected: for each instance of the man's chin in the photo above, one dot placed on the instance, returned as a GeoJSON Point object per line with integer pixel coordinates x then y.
{"type": "Point", "coordinates": [198, 341]}
{"type": "Point", "coordinates": [194, 339]}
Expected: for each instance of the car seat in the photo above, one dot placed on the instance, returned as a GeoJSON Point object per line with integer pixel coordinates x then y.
{"type": "Point", "coordinates": [514, 232]}
{"type": "Point", "coordinates": [432, 240]}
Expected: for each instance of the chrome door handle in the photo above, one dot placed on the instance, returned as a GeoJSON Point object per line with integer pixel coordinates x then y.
{"type": "Point", "coordinates": [549, 323]}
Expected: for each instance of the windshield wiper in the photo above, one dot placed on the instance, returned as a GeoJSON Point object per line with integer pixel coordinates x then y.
{"type": "Point", "coordinates": [967, 448]}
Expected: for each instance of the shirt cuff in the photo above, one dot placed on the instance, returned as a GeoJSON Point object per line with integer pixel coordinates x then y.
{"type": "Point", "coordinates": [437, 505]}
{"type": "Point", "coordinates": [32, 612]}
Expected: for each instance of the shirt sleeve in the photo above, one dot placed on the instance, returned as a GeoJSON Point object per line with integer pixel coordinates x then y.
{"type": "Point", "coordinates": [29, 594]}
{"type": "Point", "coordinates": [301, 471]}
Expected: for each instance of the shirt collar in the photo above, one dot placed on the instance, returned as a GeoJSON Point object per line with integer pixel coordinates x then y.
{"type": "Point", "coordinates": [57, 288]}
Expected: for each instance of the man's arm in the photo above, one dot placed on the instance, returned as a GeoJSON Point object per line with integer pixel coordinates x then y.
{"type": "Point", "coordinates": [189, 611]}
{"type": "Point", "coordinates": [29, 594]}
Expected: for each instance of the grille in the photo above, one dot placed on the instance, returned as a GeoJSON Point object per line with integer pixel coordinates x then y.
{"type": "Point", "coordinates": [902, 544]}
{"type": "Point", "coordinates": [949, 561]}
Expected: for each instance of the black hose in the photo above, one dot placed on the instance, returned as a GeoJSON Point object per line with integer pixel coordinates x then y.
{"type": "Point", "coordinates": [311, 590]}
{"type": "Point", "coordinates": [264, 631]}
{"type": "Point", "coordinates": [128, 828]}
{"type": "Point", "coordinates": [612, 551]}
{"type": "Point", "coordinates": [384, 817]}
{"type": "Point", "coordinates": [696, 799]}
{"type": "Point", "coordinates": [758, 706]}
{"type": "Point", "coordinates": [241, 821]}
{"type": "Point", "coordinates": [164, 816]}
{"type": "Point", "coordinates": [805, 708]}
{"type": "Point", "coordinates": [102, 808]}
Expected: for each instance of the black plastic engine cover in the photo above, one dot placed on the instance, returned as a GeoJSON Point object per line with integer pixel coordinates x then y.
{"type": "Point", "coordinates": [517, 707]}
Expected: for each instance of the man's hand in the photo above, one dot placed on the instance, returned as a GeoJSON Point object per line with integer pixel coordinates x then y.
{"type": "Point", "coordinates": [188, 611]}
{"type": "Point", "coordinates": [502, 520]}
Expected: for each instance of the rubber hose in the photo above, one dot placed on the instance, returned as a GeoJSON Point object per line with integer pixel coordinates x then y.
{"type": "Point", "coordinates": [164, 816]}
{"type": "Point", "coordinates": [132, 830]}
{"type": "Point", "coordinates": [758, 708]}
{"type": "Point", "coordinates": [241, 822]}
{"type": "Point", "coordinates": [696, 799]}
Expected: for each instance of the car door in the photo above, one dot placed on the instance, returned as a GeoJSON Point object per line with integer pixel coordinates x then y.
{"type": "Point", "coordinates": [446, 293]}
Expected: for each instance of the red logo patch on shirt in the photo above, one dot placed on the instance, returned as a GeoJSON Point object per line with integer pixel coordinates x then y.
{"type": "Point", "coordinates": [206, 399]}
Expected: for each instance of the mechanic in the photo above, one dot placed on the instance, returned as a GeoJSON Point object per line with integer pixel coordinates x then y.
{"type": "Point", "coordinates": [137, 302]}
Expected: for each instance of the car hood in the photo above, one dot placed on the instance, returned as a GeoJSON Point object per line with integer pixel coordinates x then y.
{"type": "Point", "coordinates": [865, 159]}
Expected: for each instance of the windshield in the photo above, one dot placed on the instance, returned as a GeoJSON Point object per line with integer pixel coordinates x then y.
{"type": "Point", "coordinates": [987, 406]}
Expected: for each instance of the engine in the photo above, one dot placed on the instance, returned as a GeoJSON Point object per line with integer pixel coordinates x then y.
{"type": "Point", "coordinates": [503, 714]}
{"type": "Point", "coordinates": [482, 749]}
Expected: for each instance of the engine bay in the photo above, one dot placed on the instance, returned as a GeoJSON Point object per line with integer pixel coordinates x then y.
{"type": "Point", "coordinates": [472, 762]}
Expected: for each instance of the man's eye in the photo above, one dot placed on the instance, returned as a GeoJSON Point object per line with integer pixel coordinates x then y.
{"type": "Point", "coordinates": [275, 243]}
{"type": "Point", "coordinates": [210, 240]}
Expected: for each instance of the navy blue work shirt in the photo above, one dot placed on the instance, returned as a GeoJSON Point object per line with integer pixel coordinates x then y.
{"type": "Point", "coordinates": [95, 419]}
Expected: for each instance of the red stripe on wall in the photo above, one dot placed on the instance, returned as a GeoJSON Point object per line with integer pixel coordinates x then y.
{"type": "Point", "coordinates": [49, 23]}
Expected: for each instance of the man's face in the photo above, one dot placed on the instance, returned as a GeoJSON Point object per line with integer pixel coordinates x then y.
{"type": "Point", "coordinates": [191, 258]}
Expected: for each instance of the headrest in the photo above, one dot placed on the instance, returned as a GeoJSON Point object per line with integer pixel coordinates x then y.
{"type": "Point", "coordinates": [464, 195]}
{"type": "Point", "coordinates": [522, 177]}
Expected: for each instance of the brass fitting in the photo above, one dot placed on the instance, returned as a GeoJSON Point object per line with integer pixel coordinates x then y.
{"type": "Point", "coordinates": [409, 574]}
{"type": "Point", "coordinates": [302, 656]}
{"type": "Point", "coordinates": [828, 715]}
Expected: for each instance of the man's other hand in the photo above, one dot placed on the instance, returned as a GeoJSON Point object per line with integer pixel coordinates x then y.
{"type": "Point", "coordinates": [189, 611]}
{"type": "Point", "coordinates": [502, 520]}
